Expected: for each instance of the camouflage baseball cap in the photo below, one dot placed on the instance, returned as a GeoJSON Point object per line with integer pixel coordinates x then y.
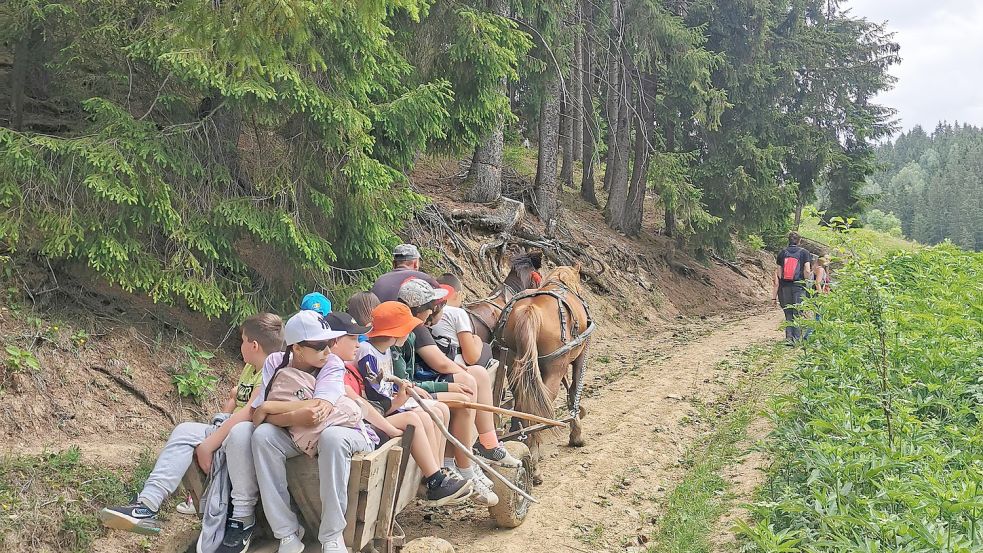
{"type": "Point", "coordinates": [416, 292]}
{"type": "Point", "coordinates": [406, 251]}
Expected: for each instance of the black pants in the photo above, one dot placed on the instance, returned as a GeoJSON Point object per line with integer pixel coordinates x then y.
{"type": "Point", "coordinates": [790, 296]}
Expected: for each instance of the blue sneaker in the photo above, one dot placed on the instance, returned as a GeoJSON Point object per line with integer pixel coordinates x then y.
{"type": "Point", "coordinates": [137, 518]}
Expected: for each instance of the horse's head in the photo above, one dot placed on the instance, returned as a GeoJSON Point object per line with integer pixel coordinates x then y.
{"type": "Point", "coordinates": [568, 276]}
{"type": "Point", "coordinates": [523, 267]}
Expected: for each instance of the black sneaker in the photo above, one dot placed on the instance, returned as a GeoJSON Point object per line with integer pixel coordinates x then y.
{"type": "Point", "coordinates": [237, 536]}
{"type": "Point", "coordinates": [448, 490]}
{"type": "Point", "coordinates": [496, 456]}
{"type": "Point", "coordinates": [135, 517]}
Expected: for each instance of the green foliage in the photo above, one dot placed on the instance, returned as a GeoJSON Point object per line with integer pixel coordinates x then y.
{"type": "Point", "coordinates": [229, 149]}
{"type": "Point", "coordinates": [884, 222]}
{"type": "Point", "coordinates": [934, 184]}
{"type": "Point", "coordinates": [21, 360]}
{"type": "Point", "coordinates": [53, 498]}
{"type": "Point", "coordinates": [871, 242]}
{"type": "Point", "coordinates": [877, 441]}
{"type": "Point", "coordinates": [195, 379]}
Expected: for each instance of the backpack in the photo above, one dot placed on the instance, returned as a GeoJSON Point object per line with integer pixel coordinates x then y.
{"type": "Point", "coordinates": [290, 384]}
{"type": "Point", "coordinates": [791, 268]}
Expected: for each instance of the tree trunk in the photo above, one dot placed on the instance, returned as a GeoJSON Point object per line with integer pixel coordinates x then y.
{"type": "Point", "coordinates": [670, 219]}
{"type": "Point", "coordinates": [547, 193]}
{"type": "Point", "coordinates": [577, 85]}
{"type": "Point", "coordinates": [644, 137]}
{"type": "Point", "coordinates": [590, 128]}
{"type": "Point", "coordinates": [566, 139]}
{"type": "Point", "coordinates": [485, 174]}
{"type": "Point", "coordinates": [23, 56]}
{"type": "Point", "coordinates": [616, 173]}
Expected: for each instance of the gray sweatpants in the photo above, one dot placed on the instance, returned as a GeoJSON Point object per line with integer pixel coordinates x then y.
{"type": "Point", "coordinates": [179, 453]}
{"type": "Point", "coordinates": [272, 447]}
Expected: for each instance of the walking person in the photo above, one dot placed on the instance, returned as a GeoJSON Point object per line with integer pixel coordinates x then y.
{"type": "Point", "coordinates": [793, 270]}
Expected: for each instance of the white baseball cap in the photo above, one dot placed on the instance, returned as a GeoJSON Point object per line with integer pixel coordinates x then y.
{"type": "Point", "coordinates": [308, 326]}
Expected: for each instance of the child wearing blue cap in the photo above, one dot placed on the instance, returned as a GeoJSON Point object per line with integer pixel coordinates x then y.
{"type": "Point", "coordinates": [316, 301]}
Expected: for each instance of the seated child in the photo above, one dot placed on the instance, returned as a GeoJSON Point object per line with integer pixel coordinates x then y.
{"type": "Point", "coordinates": [319, 347]}
{"type": "Point", "coordinates": [391, 323]}
{"type": "Point", "coordinates": [428, 361]}
{"type": "Point", "coordinates": [261, 334]}
{"type": "Point", "coordinates": [454, 328]}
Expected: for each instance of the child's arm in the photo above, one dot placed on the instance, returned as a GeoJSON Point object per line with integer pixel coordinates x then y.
{"type": "Point", "coordinates": [374, 417]}
{"type": "Point", "coordinates": [292, 413]}
{"type": "Point", "coordinates": [230, 402]}
{"type": "Point", "coordinates": [470, 346]}
{"type": "Point", "coordinates": [436, 360]}
{"type": "Point", "coordinates": [207, 448]}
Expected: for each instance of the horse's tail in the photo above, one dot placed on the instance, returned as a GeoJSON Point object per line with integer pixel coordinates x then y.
{"type": "Point", "coordinates": [530, 392]}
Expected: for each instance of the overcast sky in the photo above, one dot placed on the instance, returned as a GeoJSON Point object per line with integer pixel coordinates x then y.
{"type": "Point", "coordinates": [940, 76]}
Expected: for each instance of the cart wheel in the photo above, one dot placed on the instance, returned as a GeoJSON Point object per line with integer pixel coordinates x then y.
{"type": "Point", "coordinates": [512, 508]}
{"type": "Point", "coordinates": [428, 545]}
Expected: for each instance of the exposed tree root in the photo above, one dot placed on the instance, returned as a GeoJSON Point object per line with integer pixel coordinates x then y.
{"type": "Point", "coordinates": [140, 394]}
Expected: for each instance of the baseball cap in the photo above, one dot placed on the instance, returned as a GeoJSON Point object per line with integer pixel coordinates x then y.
{"type": "Point", "coordinates": [406, 251]}
{"type": "Point", "coordinates": [316, 301]}
{"type": "Point", "coordinates": [345, 322]}
{"type": "Point", "coordinates": [393, 319]}
{"type": "Point", "coordinates": [449, 289]}
{"type": "Point", "coordinates": [416, 292]}
{"type": "Point", "coordinates": [308, 326]}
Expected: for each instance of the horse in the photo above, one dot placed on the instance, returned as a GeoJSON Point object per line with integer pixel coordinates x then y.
{"type": "Point", "coordinates": [485, 312]}
{"type": "Point", "coordinates": [554, 319]}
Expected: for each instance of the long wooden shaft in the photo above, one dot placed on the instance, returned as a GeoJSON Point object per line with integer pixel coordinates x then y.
{"type": "Point", "coordinates": [466, 450]}
{"type": "Point", "coordinates": [458, 404]}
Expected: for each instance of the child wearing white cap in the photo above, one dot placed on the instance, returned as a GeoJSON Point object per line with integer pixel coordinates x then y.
{"type": "Point", "coordinates": [309, 338]}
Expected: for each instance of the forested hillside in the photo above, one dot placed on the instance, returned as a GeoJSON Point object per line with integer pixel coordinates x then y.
{"type": "Point", "coordinates": [228, 155]}
{"type": "Point", "coordinates": [933, 184]}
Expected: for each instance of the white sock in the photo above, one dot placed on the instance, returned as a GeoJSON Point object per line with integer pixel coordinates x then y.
{"type": "Point", "coordinates": [449, 463]}
{"type": "Point", "coordinates": [467, 473]}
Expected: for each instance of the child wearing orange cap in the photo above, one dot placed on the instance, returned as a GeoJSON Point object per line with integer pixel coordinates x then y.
{"type": "Point", "coordinates": [391, 409]}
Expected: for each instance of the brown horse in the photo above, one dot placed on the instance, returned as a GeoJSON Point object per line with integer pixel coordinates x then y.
{"type": "Point", "coordinates": [485, 312]}
{"type": "Point", "coordinates": [540, 326]}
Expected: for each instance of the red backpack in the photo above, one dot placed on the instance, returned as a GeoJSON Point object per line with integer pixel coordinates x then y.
{"type": "Point", "coordinates": [791, 269]}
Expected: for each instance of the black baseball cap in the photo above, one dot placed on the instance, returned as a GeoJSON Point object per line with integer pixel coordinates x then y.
{"type": "Point", "coordinates": [341, 321]}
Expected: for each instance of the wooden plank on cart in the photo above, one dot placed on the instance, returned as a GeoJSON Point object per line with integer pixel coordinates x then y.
{"type": "Point", "coordinates": [365, 467]}
{"type": "Point", "coordinates": [378, 494]}
{"type": "Point", "coordinates": [302, 482]}
{"type": "Point", "coordinates": [353, 481]}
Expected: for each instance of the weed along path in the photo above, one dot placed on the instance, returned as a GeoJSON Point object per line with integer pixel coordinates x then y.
{"type": "Point", "coordinates": [646, 407]}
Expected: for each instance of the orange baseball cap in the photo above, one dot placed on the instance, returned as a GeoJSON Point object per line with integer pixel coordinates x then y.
{"type": "Point", "coordinates": [393, 319]}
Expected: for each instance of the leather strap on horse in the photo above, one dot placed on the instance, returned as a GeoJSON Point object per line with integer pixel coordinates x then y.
{"type": "Point", "coordinates": [563, 307]}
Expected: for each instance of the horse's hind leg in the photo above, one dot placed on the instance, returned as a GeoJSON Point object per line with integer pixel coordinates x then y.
{"type": "Point", "coordinates": [576, 427]}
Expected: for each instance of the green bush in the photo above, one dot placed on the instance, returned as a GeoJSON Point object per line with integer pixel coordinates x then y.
{"type": "Point", "coordinates": [195, 379]}
{"type": "Point", "coordinates": [878, 445]}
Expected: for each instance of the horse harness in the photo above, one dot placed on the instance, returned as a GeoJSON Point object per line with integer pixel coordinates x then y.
{"type": "Point", "coordinates": [506, 291]}
{"type": "Point", "coordinates": [569, 343]}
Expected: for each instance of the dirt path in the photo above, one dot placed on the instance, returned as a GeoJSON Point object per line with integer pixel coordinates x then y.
{"type": "Point", "coordinates": [642, 418]}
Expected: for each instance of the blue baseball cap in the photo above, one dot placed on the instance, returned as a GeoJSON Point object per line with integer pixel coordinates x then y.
{"type": "Point", "coordinates": [316, 301]}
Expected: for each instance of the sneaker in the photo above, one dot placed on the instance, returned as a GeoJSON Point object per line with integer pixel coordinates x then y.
{"type": "Point", "coordinates": [135, 517]}
{"type": "Point", "coordinates": [335, 545]}
{"type": "Point", "coordinates": [186, 507]}
{"type": "Point", "coordinates": [484, 477]}
{"type": "Point", "coordinates": [452, 490]}
{"type": "Point", "coordinates": [294, 543]}
{"type": "Point", "coordinates": [483, 494]}
{"type": "Point", "coordinates": [237, 536]}
{"type": "Point", "coordinates": [498, 455]}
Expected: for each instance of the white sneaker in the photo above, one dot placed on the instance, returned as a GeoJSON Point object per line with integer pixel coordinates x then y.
{"type": "Point", "coordinates": [478, 473]}
{"type": "Point", "coordinates": [186, 507]}
{"type": "Point", "coordinates": [336, 545]}
{"type": "Point", "coordinates": [482, 493]}
{"type": "Point", "coordinates": [294, 543]}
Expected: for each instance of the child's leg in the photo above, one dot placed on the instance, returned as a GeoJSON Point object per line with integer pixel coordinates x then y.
{"type": "Point", "coordinates": [271, 447]}
{"type": "Point", "coordinates": [242, 471]}
{"type": "Point", "coordinates": [336, 446]}
{"type": "Point", "coordinates": [173, 462]}
{"type": "Point", "coordinates": [420, 446]}
{"type": "Point", "coordinates": [484, 420]}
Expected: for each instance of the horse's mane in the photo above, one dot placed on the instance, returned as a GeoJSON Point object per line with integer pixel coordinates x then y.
{"type": "Point", "coordinates": [566, 275]}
